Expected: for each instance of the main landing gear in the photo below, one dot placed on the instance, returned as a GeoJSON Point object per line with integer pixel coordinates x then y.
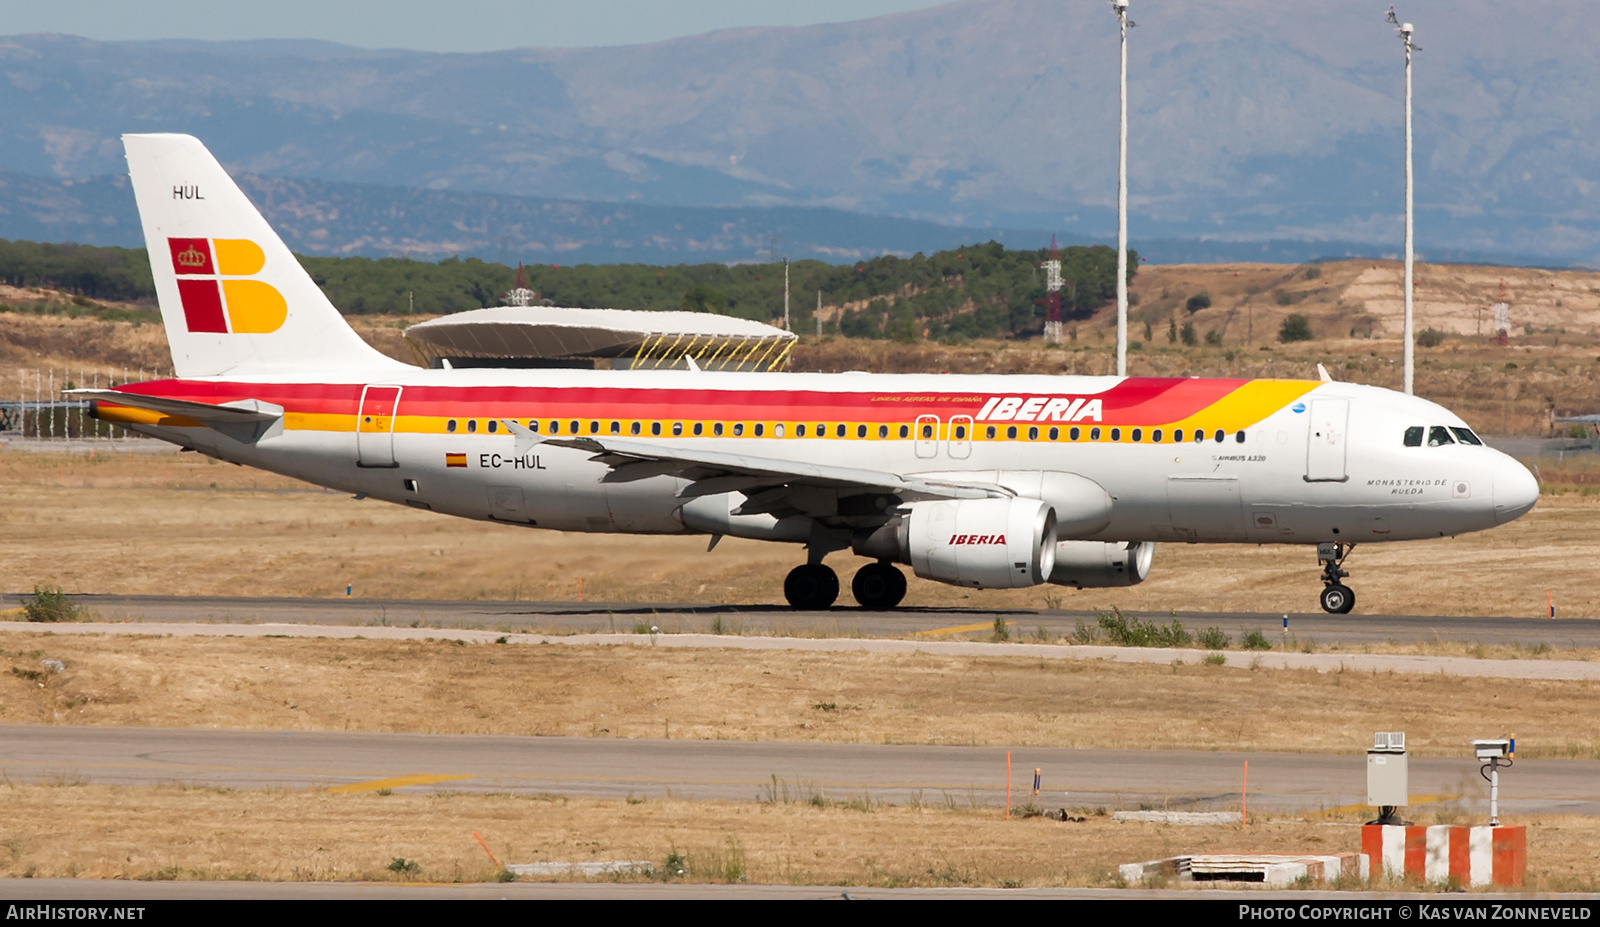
{"type": "Point", "coordinates": [877, 586]}
{"type": "Point", "coordinates": [1337, 598]}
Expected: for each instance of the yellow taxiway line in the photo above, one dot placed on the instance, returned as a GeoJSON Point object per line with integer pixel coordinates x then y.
{"type": "Point", "coordinates": [397, 782]}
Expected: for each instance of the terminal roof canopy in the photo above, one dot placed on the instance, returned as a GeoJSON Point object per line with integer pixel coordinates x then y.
{"type": "Point", "coordinates": [651, 339]}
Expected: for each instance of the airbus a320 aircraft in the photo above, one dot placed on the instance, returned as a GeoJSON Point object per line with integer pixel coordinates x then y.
{"type": "Point", "coordinates": [975, 481]}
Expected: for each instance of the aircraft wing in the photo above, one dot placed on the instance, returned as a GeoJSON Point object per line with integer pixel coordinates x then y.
{"type": "Point", "coordinates": [238, 412]}
{"type": "Point", "coordinates": [714, 472]}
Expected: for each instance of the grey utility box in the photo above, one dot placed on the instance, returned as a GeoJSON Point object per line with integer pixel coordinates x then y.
{"type": "Point", "coordinates": [1388, 779]}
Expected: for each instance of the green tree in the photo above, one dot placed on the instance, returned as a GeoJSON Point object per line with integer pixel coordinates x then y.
{"type": "Point", "coordinates": [1297, 327]}
{"type": "Point", "coordinates": [1198, 301]}
{"type": "Point", "coordinates": [1187, 334]}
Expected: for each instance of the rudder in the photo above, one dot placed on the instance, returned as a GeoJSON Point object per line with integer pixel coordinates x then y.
{"type": "Point", "coordinates": [233, 298]}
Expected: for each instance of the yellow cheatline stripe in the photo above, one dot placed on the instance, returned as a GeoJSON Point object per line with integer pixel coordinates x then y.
{"type": "Point", "coordinates": [1248, 404]}
{"type": "Point", "coordinates": [397, 782]}
{"type": "Point", "coordinates": [1415, 800]}
{"type": "Point", "coordinates": [980, 626]}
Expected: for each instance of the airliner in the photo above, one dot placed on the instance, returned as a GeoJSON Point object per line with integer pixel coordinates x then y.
{"type": "Point", "coordinates": [974, 481]}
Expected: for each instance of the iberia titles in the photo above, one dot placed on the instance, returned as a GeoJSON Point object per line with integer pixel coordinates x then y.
{"type": "Point", "coordinates": [1040, 409]}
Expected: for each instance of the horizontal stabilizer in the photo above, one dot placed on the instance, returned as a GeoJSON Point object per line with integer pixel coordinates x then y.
{"type": "Point", "coordinates": [238, 412]}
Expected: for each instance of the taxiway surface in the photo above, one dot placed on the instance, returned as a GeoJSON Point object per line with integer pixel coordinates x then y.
{"type": "Point", "coordinates": [760, 771]}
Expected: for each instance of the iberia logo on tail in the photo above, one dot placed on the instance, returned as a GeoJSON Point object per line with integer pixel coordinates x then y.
{"type": "Point", "coordinates": [216, 286]}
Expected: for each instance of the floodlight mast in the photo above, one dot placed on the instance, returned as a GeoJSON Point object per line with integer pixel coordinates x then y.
{"type": "Point", "coordinates": [1405, 30]}
{"type": "Point", "coordinates": [1120, 7]}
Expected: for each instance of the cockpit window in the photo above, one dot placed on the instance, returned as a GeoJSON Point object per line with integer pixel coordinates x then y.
{"type": "Point", "coordinates": [1465, 435]}
{"type": "Point", "coordinates": [1414, 436]}
{"type": "Point", "coordinates": [1439, 435]}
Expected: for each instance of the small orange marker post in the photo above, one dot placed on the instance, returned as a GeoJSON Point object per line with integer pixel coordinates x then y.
{"type": "Point", "coordinates": [1008, 785]}
{"type": "Point", "coordinates": [1244, 799]}
{"type": "Point", "coordinates": [580, 589]}
{"type": "Point", "coordinates": [487, 850]}
{"type": "Point", "coordinates": [1550, 598]}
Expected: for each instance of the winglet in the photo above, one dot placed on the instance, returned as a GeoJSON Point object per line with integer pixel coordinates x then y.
{"type": "Point", "coordinates": [1322, 372]}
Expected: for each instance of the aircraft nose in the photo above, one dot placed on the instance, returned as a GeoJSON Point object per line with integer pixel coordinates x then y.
{"type": "Point", "coordinates": [1515, 491]}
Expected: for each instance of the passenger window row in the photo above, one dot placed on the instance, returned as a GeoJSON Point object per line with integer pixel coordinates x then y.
{"type": "Point", "coordinates": [1439, 435]}
{"type": "Point", "coordinates": [927, 431]}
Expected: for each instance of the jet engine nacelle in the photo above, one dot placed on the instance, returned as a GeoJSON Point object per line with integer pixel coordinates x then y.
{"type": "Point", "coordinates": [982, 543]}
{"type": "Point", "coordinates": [1099, 565]}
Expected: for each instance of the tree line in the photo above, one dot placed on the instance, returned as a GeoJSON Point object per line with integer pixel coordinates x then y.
{"type": "Point", "coordinates": [982, 290]}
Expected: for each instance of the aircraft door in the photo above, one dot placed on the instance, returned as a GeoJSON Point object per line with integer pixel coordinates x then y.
{"type": "Point", "coordinates": [375, 426]}
{"type": "Point", "coordinates": [1326, 440]}
{"type": "Point", "coordinates": [960, 443]}
{"type": "Point", "coordinates": [927, 435]}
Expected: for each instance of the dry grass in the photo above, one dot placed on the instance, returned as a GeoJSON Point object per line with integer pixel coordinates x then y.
{"type": "Point", "coordinates": [445, 687]}
{"type": "Point", "coordinates": [177, 833]}
{"type": "Point", "coordinates": [120, 523]}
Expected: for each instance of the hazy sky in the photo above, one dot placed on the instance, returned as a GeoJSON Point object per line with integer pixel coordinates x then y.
{"type": "Point", "coordinates": [430, 25]}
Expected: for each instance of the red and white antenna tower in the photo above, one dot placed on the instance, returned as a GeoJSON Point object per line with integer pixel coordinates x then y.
{"type": "Point", "coordinates": [1052, 299]}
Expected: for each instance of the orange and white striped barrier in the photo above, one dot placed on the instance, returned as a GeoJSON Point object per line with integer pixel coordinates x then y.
{"type": "Point", "coordinates": [1470, 855]}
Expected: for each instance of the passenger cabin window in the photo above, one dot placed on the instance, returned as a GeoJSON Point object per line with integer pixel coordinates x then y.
{"type": "Point", "coordinates": [1155, 436]}
{"type": "Point", "coordinates": [927, 431]}
{"type": "Point", "coordinates": [989, 432]}
{"type": "Point", "coordinates": [1414, 436]}
{"type": "Point", "coordinates": [594, 428]}
{"type": "Point", "coordinates": [759, 429]}
{"type": "Point", "coordinates": [961, 432]}
{"type": "Point", "coordinates": [472, 425]}
{"type": "Point", "coordinates": [1011, 431]}
{"type": "Point", "coordinates": [1238, 437]}
{"type": "Point", "coordinates": [1439, 436]}
{"type": "Point", "coordinates": [655, 428]}
{"type": "Point", "coordinates": [1466, 436]}
{"type": "Point", "coordinates": [574, 427]}
{"type": "Point", "coordinates": [716, 429]}
{"type": "Point", "coordinates": [1177, 435]}
{"type": "Point", "coordinates": [905, 431]}
{"type": "Point", "coordinates": [1116, 434]}
{"type": "Point", "coordinates": [1033, 433]}
{"type": "Point", "coordinates": [1094, 434]}
{"type": "Point", "coordinates": [1073, 433]}
{"type": "Point", "coordinates": [861, 431]}
{"type": "Point", "coordinates": [883, 431]}
{"type": "Point", "coordinates": [1138, 435]}
{"type": "Point", "coordinates": [1055, 434]}
{"type": "Point", "coordinates": [799, 431]}
{"type": "Point", "coordinates": [677, 429]}
{"type": "Point", "coordinates": [699, 428]}
{"type": "Point", "coordinates": [555, 427]}
{"type": "Point", "coordinates": [1220, 435]}
{"type": "Point", "coordinates": [738, 429]}
{"type": "Point", "coordinates": [616, 428]}
{"type": "Point", "coordinates": [450, 426]}
{"type": "Point", "coordinates": [494, 425]}
{"type": "Point", "coordinates": [839, 431]}
{"type": "Point", "coordinates": [533, 425]}
{"type": "Point", "coordinates": [777, 430]}
{"type": "Point", "coordinates": [633, 429]}
{"type": "Point", "coordinates": [1199, 435]}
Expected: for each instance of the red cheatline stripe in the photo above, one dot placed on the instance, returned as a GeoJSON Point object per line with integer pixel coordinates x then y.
{"type": "Point", "coordinates": [1132, 402]}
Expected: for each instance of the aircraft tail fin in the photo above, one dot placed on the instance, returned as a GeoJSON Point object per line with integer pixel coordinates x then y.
{"type": "Point", "coordinates": [233, 298]}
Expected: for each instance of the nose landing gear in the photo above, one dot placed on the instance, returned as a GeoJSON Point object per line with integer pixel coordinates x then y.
{"type": "Point", "coordinates": [1336, 598]}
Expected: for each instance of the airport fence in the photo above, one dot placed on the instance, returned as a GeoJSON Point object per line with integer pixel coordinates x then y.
{"type": "Point", "coordinates": [35, 404]}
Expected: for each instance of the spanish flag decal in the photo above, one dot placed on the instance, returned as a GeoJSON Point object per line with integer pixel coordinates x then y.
{"type": "Point", "coordinates": [455, 460]}
{"type": "Point", "coordinates": [216, 285]}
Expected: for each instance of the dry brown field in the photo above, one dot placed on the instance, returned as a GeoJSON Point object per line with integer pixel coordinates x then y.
{"type": "Point", "coordinates": [181, 524]}
{"type": "Point", "coordinates": [65, 829]}
{"type": "Point", "coordinates": [444, 687]}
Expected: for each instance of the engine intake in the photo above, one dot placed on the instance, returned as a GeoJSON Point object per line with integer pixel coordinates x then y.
{"type": "Point", "coordinates": [981, 543]}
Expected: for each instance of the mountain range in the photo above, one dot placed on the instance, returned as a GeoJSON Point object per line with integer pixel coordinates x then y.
{"type": "Point", "coordinates": [1255, 129]}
